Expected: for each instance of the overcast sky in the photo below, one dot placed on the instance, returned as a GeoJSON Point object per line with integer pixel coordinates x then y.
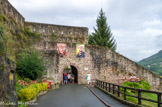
{"type": "Point", "coordinates": [136, 24]}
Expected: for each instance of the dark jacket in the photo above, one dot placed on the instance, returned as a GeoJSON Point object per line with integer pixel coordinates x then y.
{"type": "Point", "coordinates": [65, 77]}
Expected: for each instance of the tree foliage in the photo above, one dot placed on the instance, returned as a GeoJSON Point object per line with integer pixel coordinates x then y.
{"type": "Point", "coordinates": [30, 65]}
{"type": "Point", "coordinates": [102, 35]}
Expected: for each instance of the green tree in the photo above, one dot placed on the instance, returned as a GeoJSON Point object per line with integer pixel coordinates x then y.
{"type": "Point", "coordinates": [102, 35]}
{"type": "Point", "coordinates": [30, 65]}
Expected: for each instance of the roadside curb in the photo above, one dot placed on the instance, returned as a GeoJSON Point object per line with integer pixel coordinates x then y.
{"type": "Point", "coordinates": [108, 105]}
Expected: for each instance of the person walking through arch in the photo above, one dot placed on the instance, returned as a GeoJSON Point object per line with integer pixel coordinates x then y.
{"type": "Point", "coordinates": [65, 78]}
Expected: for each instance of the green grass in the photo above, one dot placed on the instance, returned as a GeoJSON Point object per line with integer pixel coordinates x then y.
{"type": "Point", "coordinates": [144, 102]}
{"type": "Point", "coordinates": [143, 95]}
{"type": "Point", "coordinates": [142, 85]}
{"type": "Point", "coordinates": [149, 96]}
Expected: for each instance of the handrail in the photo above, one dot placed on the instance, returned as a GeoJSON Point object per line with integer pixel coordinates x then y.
{"type": "Point", "coordinates": [114, 88]}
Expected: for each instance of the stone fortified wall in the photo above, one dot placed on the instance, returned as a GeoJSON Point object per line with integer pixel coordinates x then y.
{"type": "Point", "coordinates": [12, 20]}
{"type": "Point", "coordinates": [113, 67]}
{"type": "Point", "coordinates": [60, 33]}
{"type": "Point", "coordinates": [10, 12]}
{"type": "Point", "coordinates": [102, 63]}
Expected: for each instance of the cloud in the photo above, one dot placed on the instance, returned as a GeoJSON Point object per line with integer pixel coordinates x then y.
{"type": "Point", "coordinates": [135, 24]}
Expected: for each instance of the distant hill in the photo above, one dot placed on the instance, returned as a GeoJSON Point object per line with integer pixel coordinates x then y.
{"type": "Point", "coordinates": [154, 63]}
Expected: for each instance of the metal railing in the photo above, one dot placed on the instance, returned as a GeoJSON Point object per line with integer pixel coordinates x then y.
{"type": "Point", "coordinates": [116, 89]}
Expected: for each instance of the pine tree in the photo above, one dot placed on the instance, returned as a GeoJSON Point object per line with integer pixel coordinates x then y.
{"type": "Point", "coordinates": [102, 35]}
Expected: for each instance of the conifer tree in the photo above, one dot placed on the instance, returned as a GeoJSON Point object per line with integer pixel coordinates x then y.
{"type": "Point", "coordinates": [102, 35]}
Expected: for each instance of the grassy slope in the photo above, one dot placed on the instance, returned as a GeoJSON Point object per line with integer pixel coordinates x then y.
{"type": "Point", "coordinates": [155, 63]}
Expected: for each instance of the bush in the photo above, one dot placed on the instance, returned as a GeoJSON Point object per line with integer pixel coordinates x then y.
{"type": "Point", "coordinates": [19, 87]}
{"type": "Point", "coordinates": [142, 85]}
{"type": "Point", "coordinates": [30, 65]}
{"type": "Point", "coordinates": [145, 84]}
{"type": "Point", "coordinates": [27, 80]}
{"type": "Point", "coordinates": [28, 93]}
{"type": "Point", "coordinates": [31, 91]}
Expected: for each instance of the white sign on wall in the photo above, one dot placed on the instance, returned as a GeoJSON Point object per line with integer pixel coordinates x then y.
{"type": "Point", "coordinates": [86, 69]}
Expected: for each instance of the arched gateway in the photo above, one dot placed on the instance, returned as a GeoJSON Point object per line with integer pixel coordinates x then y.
{"type": "Point", "coordinates": [73, 71]}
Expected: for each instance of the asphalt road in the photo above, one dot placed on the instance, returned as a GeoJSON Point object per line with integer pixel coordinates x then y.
{"type": "Point", "coordinates": [69, 96]}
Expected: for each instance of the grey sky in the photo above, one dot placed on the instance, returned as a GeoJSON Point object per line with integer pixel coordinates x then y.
{"type": "Point", "coordinates": [136, 24]}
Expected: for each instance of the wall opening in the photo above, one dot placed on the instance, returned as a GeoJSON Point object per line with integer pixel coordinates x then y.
{"type": "Point", "coordinates": [72, 70]}
{"type": "Point", "coordinates": [75, 73]}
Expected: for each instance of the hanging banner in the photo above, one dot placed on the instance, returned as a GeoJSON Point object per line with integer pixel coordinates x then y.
{"type": "Point", "coordinates": [61, 49]}
{"type": "Point", "coordinates": [80, 50]}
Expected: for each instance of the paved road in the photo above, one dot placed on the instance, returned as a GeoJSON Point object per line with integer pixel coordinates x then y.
{"type": "Point", "coordinates": [69, 96]}
{"type": "Point", "coordinates": [108, 99]}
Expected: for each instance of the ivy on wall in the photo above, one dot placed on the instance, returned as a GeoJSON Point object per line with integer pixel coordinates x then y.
{"type": "Point", "coordinates": [31, 37]}
{"type": "Point", "coordinates": [53, 36]}
{"type": "Point", "coordinates": [7, 44]}
{"type": "Point", "coordinates": [14, 38]}
{"type": "Point", "coordinates": [1, 41]}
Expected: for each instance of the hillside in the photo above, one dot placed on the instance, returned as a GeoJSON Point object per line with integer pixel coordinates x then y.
{"type": "Point", "coordinates": [154, 63]}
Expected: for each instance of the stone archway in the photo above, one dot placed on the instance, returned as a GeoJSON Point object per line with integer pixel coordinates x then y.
{"type": "Point", "coordinates": [75, 69]}
{"type": "Point", "coordinates": [75, 73]}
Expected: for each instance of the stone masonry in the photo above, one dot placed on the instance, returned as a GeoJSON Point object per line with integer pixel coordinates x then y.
{"type": "Point", "coordinates": [102, 63]}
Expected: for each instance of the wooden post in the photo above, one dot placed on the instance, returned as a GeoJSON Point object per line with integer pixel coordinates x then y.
{"type": "Point", "coordinates": [139, 97]}
{"type": "Point", "coordinates": [113, 89]}
{"type": "Point", "coordinates": [102, 85]}
{"type": "Point", "coordinates": [125, 98]}
{"type": "Point", "coordinates": [106, 86]}
{"type": "Point", "coordinates": [159, 99]}
{"type": "Point", "coordinates": [118, 91]}
{"type": "Point", "coordinates": [109, 87]}
{"type": "Point", "coordinates": [96, 83]}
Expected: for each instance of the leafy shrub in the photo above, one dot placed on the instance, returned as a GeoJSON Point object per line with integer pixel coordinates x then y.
{"type": "Point", "coordinates": [32, 37]}
{"type": "Point", "coordinates": [28, 93]}
{"type": "Point", "coordinates": [142, 85]}
{"type": "Point", "coordinates": [30, 65]}
{"type": "Point", "coordinates": [19, 87]}
{"type": "Point", "coordinates": [27, 80]}
{"type": "Point", "coordinates": [145, 85]}
{"type": "Point", "coordinates": [31, 91]}
{"type": "Point", "coordinates": [39, 87]}
{"type": "Point", "coordinates": [32, 34]}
